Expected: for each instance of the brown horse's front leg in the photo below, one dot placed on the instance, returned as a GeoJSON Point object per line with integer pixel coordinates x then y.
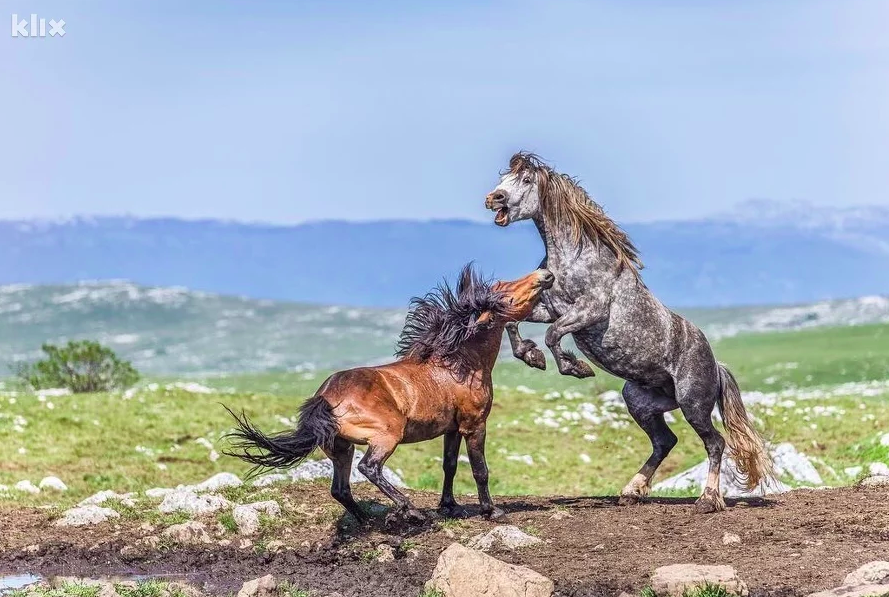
{"type": "Point", "coordinates": [475, 448]}
{"type": "Point", "coordinates": [448, 506]}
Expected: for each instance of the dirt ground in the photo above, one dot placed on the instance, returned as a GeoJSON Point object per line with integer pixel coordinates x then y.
{"type": "Point", "coordinates": [795, 544]}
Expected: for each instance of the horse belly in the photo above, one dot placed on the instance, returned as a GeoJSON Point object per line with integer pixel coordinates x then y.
{"type": "Point", "coordinates": [628, 359]}
{"type": "Point", "coordinates": [422, 429]}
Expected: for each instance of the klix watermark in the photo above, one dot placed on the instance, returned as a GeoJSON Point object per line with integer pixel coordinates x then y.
{"type": "Point", "coordinates": [37, 27]}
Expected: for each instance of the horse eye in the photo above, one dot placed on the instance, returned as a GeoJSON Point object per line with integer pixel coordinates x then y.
{"type": "Point", "coordinates": [527, 181]}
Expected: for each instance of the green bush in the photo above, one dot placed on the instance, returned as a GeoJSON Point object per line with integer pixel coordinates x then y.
{"type": "Point", "coordinates": [83, 366]}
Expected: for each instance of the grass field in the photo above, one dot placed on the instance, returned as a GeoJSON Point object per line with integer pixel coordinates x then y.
{"type": "Point", "coordinates": [547, 434]}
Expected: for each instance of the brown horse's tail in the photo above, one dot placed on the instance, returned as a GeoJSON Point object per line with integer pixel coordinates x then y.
{"type": "Point", "coordinates": [745, 446]}
{"type": "Point", "coordinates": [317, 427]}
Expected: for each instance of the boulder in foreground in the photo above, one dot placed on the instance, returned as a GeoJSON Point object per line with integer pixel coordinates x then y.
{"type": "Point", "coordinates": [464, 572]}
{"type": "Point", "coordinates": [677, 579]}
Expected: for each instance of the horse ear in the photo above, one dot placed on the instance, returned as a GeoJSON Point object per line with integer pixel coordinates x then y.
{"type": "Point", "coordinates": [466, 279]}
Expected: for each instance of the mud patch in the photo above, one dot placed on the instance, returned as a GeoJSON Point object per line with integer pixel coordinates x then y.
{"type": "Point", "coordinates": [796, 544]}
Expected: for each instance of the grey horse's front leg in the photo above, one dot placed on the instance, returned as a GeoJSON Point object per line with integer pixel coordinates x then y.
{"type": "Point", "coordinates": [527, 350]}
{"type": "Point", "coordinates": [572, 321]}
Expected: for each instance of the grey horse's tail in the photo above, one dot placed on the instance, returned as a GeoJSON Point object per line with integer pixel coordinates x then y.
{"type": "Point", "coordinates": [745, 446]}
{"type": "Point", "coordinates": [317, 427]}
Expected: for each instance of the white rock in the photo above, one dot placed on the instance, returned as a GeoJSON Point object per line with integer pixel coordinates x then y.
{"type": "Point", "coordinates": [247, 515]}
{"type": "Point", "coordinates": [870, 573]}
{"type": "Point", "coordinates": [878, 468]}
{"type": "Point", "coordinates": [84, 515]}
{"type": "Point", "coordinates": [103, 496]}
{"type": "Point", "coordinates": [875, 481]}
{"type": "Point", "coordinates": [26, 487]}
{"type": "Point", "coordinates": [217, 482]}
{"type": "Point", "coordinates": [266, 586]}
{"type": "Point", "coordinates": [506, 536]}
{"type": "Point", "coordinates": [53, 483]}
{"type": "Point", "coordinates": [270, 479]}
{"type": "Point", "coordinates": [678, 579]}
{"type": "Point", "coordinates": [158, 492]}
{"type": "Point", "coordinates": [788, 461]}
{"type": "Point", "coordinates": [853, 471]}
{"type": "Point", "coordinates": [184, 500]}
{"type": "Point", "coordinates": [323, 469]}
{"type": "Point", "coordinates": [191, 532]}
{"type": "Point", "coordinates": [464, 572]}
{"type": "Point", "coordinates": [730, 538]}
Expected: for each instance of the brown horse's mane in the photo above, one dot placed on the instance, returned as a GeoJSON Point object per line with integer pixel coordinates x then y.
{"type": "Point", "coordinates": [566, 204]}
{"type": "Point", "coordinates": [439, 325]}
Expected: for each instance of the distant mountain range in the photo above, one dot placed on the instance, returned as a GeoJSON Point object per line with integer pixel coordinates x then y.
{"type": "Point", "coordinates": [763, 253]}
{"type": "Point", "coordinates": [177, 331]}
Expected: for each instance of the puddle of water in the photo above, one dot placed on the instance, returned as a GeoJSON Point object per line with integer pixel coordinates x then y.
{"type": "Point", "coordinates": [16, 581]}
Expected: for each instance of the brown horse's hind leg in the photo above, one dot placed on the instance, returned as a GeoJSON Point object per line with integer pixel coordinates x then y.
{"type": "Point", "coordinates": [341, 456]}
{"type": "Point", "coordinates": [647, 407]}
{"type": "Point", "coordinates": [371, 466]}
{"type": "Point", "coordinates": [448, 506]}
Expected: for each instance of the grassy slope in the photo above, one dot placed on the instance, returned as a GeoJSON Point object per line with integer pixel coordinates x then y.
{"type": "Point", "coordinates": [104, 441]}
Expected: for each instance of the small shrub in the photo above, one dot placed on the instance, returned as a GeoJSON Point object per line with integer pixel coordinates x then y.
{"type": "Point", "coordinates": [82, 366]}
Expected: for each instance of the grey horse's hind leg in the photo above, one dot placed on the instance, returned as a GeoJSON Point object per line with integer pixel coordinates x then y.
{"type": "Point", "coordinates": [647, 407]}
{"type": "Point", "coordinates": [697, 400]}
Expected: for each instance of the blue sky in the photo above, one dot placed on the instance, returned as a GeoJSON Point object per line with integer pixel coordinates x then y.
{"type": "Point", "coordinates": [295, 111]}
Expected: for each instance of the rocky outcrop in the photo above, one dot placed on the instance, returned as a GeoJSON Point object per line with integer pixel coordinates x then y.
{"type": "Point", "coordinates": [464, 572]}
{"type": "Point", "coordinates": [870, 580]}
{"type": "Point", "coordinates": [84, 515]}
{"type": "Point", "coordinates": [247, 515]}
{"type": "Point", "coordinates": [265, 586]}
{"type": "Point", "coordinates": [503, 536]}
{"type": "Point", "coordinates": [185, 500]}
{"type": "Point", "coordinates": [677, 579]}
{"type": "Point", "coordinates": [188, 533]}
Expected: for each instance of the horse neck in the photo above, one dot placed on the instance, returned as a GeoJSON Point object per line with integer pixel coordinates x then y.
{"type": "Point", "coordinates": [481, 351]}
{"type": "Point", "coordinates": [563, 251]}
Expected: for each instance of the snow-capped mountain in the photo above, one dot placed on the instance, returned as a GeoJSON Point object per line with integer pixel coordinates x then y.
{"type": "Point", "coordinates": [762, 253]}
{"type": "Point", "coordinates": [179, 331]}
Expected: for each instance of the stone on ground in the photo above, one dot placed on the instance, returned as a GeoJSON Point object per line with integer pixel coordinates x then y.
{"type": "Point", "coordinates": [677, 579]}
{"type": "Point", "coordinates": [84, 515]}
{"type": "Point", "coordinates": [26, 487]}
{"type": "Point", "coordinates": [875, 481]}
{"type": "Point", "coordinates": [188, 533]}
{"type": "Point", "coordinates": [53, 483]}
{"type": "Point", "coordinates": [869, 590]}
{"type": "Point", "coordinates": [788, 462]}
{"type": "Point", "coordinates": [247, 515]}
{"type": "Point", "coordinates": [730, 538]}
{"type": "Point", "coordinates": [323, 469]}
{"type": "Point", "coordinates": [464, 572]}
{"type": "Point", "coordinates": [265, 586]}
{"type": "Point", "coordinates": [185, 500]}
{"type": "Point", "coordinates": [103, 496]}
{"type": "Point", "coordinates": [506, 536]}
{"type": "Point", "coordinates": [158, 492]}
{"type": "Point", "coordinates": [217, 482]}
{"type": "Point", "coordinates": [872, 572]}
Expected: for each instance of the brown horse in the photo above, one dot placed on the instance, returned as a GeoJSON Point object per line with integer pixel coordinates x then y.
{"type": "Point", "coordinates": [441, 385]}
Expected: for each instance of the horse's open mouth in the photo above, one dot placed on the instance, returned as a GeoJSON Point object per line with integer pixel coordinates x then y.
{"type": "Point", "coordinates": [502, 217]}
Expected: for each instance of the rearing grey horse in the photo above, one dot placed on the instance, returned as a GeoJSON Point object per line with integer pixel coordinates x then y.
{"type": "Point", "coordinates": [617, 323]}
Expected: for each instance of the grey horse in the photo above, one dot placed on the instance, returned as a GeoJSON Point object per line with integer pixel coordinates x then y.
{"type": "Point", "coordinates": [617, 323]}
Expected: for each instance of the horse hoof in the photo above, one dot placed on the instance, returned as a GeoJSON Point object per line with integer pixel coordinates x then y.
{"type": "Point", "coordinates": [494, 514]}
{"type": "Point", "coordinates": [535, 358]}
{"type": "Point", "coordinates": [455, 511]}
{"type": "Point", "coordinates": [581, 370]}
{"type": "Point", "coordinates": [707, 505]}
{"type": "Point", "coordinates": [414, 516]}
{"type": "Point", "coordinates": [629, 499]}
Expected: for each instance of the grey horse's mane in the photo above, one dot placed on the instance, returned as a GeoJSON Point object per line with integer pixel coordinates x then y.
{"type": "Point", "coordinates": [439, 324]}
{"type": "Point", "coordinates": [566, 205]}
